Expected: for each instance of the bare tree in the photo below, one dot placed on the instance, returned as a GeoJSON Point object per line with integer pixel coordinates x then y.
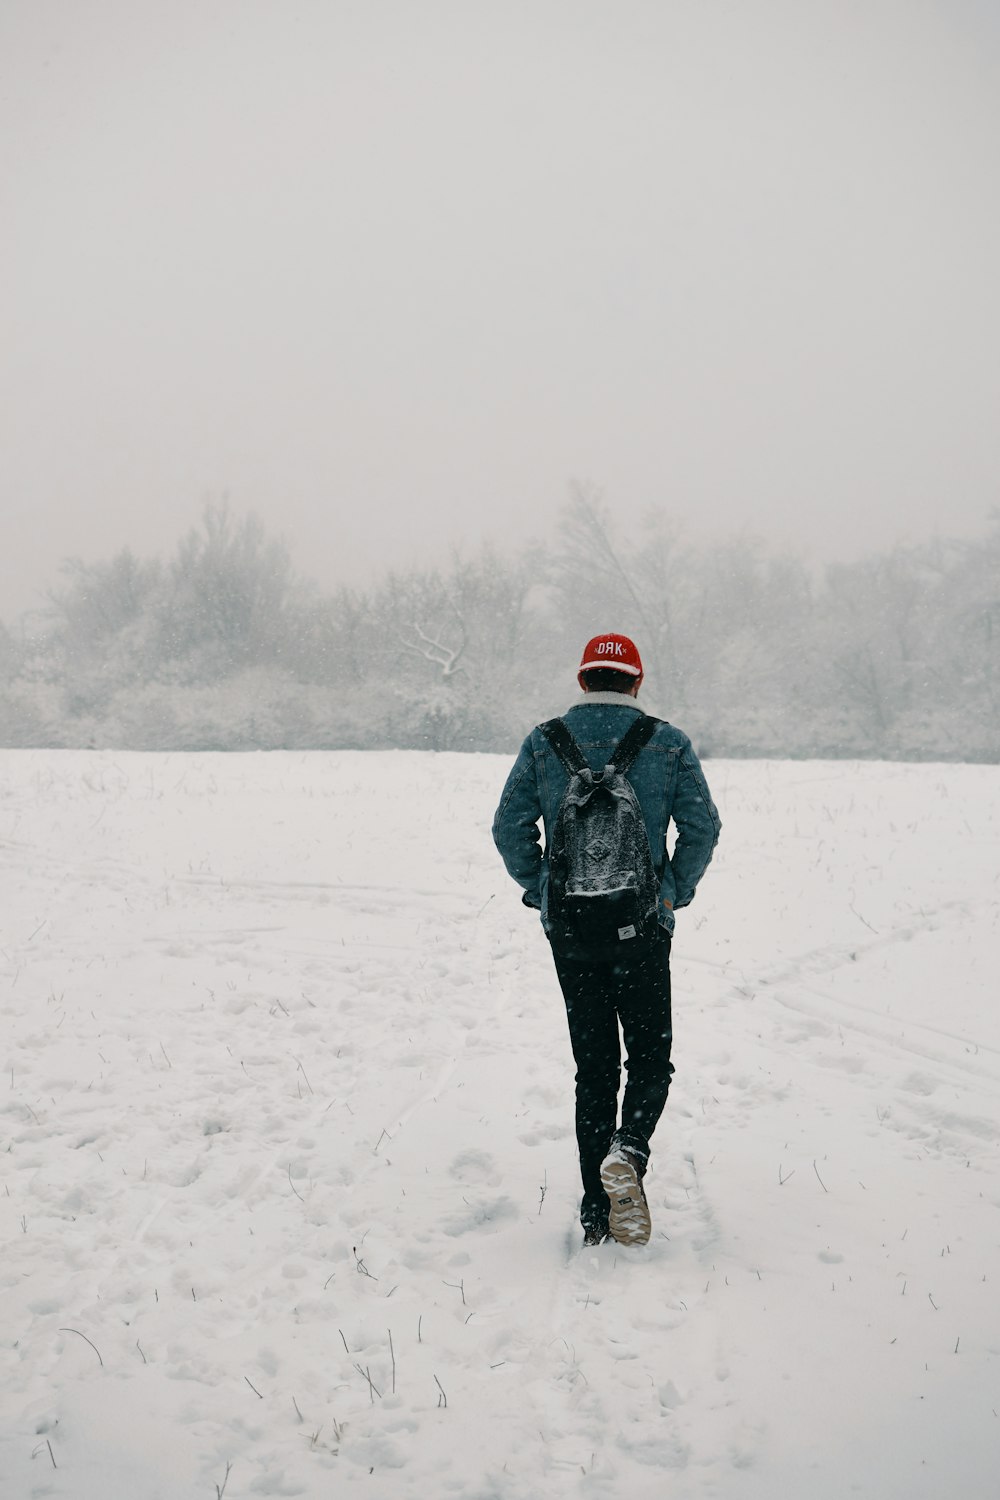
{"type": "Point", "coordinates": [228, 594]}
{"type": "Point", "coordinates": [447, 658]}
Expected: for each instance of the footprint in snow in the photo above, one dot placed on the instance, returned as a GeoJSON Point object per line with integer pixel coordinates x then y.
{"type": "Point", "coordinates": [543, 1133]}
{"type": "Point", "coordinates": [919, 1083]}
{"type": "Point", "coordinates": [475, 1167]}
{"type": "Point", "coordinates": [483, 1215]}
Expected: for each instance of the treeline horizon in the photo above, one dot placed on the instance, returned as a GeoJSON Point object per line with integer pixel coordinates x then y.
{"type": "Point", "coordinates": [223, 646]}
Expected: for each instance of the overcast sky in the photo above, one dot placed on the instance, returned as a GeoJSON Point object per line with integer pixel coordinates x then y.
{"type": "Point", "coordinates": [393, 273]}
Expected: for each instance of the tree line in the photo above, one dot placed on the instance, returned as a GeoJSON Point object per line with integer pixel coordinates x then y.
{"type": "Point", "coordinates": [224, 647]}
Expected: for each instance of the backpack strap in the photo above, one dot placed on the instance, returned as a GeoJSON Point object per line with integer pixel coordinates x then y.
{"type": "Point", "coordinates": [559, 737]}
{"type": "Point", "coordinates": [557, 732]}
{"type": "Point", "coordinates": [628, 747]}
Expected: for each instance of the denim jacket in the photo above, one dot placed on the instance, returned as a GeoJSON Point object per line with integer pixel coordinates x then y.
{"type": "Point", "coordinates": [667, 780]}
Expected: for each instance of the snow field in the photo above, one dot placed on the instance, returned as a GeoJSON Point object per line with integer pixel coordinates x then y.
{"type": "Point", "coordinates": [289, 1176]}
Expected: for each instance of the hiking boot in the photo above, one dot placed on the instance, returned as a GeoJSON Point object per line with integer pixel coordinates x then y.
{"type": "Point", "coordinates": [595, 1233]}
{"type": "Point", "coordinates": [621, 1177]}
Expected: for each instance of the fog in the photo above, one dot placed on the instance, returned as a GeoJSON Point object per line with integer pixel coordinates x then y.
{"type": "Point", "coordinates": [393, 276]}
{"type": "Point", "coordinates": [222, 645]}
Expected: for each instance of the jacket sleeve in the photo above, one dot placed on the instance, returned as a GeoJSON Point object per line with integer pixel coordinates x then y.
{"type": "Point", "coordinates": [515, 826]}
{"type": "Point", "coordinates": [698, 826]}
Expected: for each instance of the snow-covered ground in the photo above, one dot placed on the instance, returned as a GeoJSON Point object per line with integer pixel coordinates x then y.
{"type": "Point", "coordinates": [289, 1178]}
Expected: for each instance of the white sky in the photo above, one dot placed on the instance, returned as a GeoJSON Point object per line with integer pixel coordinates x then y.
{"type": "Point", "coordinates": [393, 273]}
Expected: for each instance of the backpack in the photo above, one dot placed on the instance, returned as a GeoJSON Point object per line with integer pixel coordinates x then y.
{"type": "Point", "coordinates": [603, 896]}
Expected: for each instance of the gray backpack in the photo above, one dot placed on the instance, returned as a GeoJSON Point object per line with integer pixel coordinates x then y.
{"type": "Point", "coordinates": [603, 899]}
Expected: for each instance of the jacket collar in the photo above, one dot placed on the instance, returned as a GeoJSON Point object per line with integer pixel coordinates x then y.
{"type": "Point", "coordinates": [609, 700]}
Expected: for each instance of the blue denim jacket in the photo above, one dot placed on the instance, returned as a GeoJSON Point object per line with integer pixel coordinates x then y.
{"type": "Point", "coordinates": [667, 780]}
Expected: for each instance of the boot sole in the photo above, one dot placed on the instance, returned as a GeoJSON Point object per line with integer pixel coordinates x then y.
{"type": "Point", "coordinates": [628, 1220]}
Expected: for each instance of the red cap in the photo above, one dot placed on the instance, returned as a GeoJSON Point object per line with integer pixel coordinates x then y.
{"type": "Point", "coordinates": [615, 651]}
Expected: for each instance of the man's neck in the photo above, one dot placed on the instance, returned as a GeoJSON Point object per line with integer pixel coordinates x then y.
{"type": "Point", "coordinates": [611, 700]}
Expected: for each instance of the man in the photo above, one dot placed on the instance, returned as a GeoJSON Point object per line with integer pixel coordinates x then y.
{"type": "Point", "coordinates": [632, 989]}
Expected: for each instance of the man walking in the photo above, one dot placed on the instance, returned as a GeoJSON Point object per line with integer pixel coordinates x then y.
{"type": "Point", "coordinates": [613, 965]}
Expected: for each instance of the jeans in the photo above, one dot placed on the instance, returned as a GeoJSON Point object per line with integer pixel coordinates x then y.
{"type": "Point", "coordinates": [635, 992]}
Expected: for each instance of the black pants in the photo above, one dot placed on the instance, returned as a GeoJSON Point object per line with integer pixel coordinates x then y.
{"type": "Point", "coordinates": [637, 993]}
